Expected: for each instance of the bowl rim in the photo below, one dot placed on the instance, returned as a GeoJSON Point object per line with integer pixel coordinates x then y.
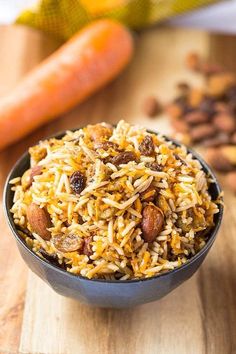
{"type": "Point", "coordinates": [213, 232]}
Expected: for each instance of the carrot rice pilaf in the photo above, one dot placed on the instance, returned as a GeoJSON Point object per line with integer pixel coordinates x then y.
{"type": "Point", "coordinates": [113, 203]}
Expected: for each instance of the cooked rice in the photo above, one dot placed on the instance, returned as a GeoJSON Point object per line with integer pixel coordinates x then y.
{"type": "Point", "coordinates": [109, 209]}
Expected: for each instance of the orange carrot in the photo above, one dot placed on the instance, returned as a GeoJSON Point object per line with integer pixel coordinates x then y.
{"type": "Point", "coordinates": [87, 62]}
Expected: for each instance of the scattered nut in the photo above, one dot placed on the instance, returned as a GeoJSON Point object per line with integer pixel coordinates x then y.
{"type": "Point", "coordinates": [219, 83]}
{"type": "Point", "coordinates": [202, 132]}
{"type": "Point", "coordinates": [195, 97]}
{"type": "Point", "coordinates": [68, 243]}
{"type": "Point", "coordinates": [180, 125]}
{"type": "Point", "coordinates": [217, 140]}
{"type": "Point", "coordinates": [225, 122]}
{"type": "Point", "coordinates": [147, 147]}
{"type": "Point", "coordinates": [152, 222]}
{"type": "Point", "coordinates": [231, 180]}
{"type": "Point", "coordinates": [217, 160]}
{"type": "Point", "coordinates": [151, 106]}
{"type": "Point", "coordinates": [229, 152]}
{"type": "Point", "coordinates": [123, 158]}
{"type": "Point", "coordinates": [39, 220]}
{"type": "Point", "coordinates": [77, 182]}
{"type": "Point", "coordinates": [221, 107]}
{"type": "Point", "coordinates": [174, 110]}
{"type": "Point", "coordinates": [196, 117]}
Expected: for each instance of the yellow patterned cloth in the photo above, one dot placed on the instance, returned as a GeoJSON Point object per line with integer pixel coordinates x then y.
{"type": "Point", "coordinates": [63, 18]}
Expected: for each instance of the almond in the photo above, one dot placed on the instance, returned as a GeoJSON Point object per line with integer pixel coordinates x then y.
{"type": "Point", "coordinates": [217, 160]}
{"type": "Point", "coordinates": [39, 220]}
{"type": "Point", "coordinates": [218, 84]}
{"type": "Point", "coordinates": [151, 106]}
{"type": "Point", "coordinates": [202, 131]}
{"type": "Point", "coordinates": [225, 122]}
{"type": "Point", "coordinates": [196, 117]}
{"type": "Point", "coordinates": [152, 222]}
{"type": "Point", "coordinates": [229, 152]}
{"type": "Point", "coordinates": [195, 97]}
{"type": "Point", "coordinates": [219, 139]}
{"type": "Point", "coordinates": [174, 110]}
{"type": "Point", "coordinates": [179, 125]}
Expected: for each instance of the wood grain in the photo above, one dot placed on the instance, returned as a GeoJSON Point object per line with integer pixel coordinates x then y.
{"type": "Point", "coordinates": [200, 316]}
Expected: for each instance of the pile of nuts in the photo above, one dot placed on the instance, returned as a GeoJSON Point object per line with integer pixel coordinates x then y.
{"type": "Point", "coordinates": [208, 116]}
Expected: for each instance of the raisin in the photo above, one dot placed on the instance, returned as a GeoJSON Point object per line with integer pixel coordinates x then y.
{"type": "Point", "coordinates": [77, 182]}
{"type": "Point", "coordinates": [87, 248]}
{"type": "Point", "coordinates": [147, 147]}
{"type": "Point", "coordinates": [154, 166]}
{"type": "Point", "coordinates": [149, 194]}
{"type": "Point", "coordinates": [52, 258]}
{"type": "Point", "coordinates": [68, 243]}
{"type": "Point", "coordinates": [106, 145]}
{"type": "Point", "coordinates": [123, 158]}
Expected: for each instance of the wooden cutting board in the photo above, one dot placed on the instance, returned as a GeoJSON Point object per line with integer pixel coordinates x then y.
{"type": "Point", "coordinates": [199, 316]}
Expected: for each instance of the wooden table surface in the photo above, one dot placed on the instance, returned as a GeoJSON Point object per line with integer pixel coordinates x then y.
{"type": "Point", "coordinates": [199, 316]}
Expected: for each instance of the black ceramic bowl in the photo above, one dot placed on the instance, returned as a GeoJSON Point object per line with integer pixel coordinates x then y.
{"type": "Point", "coordinates": [103, 293]}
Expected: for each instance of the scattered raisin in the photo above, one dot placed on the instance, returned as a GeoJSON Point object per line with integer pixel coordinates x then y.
{"type": "Point", "coordinates": [123, 158]}
{"type": "Point", "coordinates": [147, 147]}
{"type": "Point", "coordinates": [77, 182]}
{"type": "Point", "coordinates": [52, 258]}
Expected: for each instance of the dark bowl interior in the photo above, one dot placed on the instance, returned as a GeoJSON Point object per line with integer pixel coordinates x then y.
{"type": "Point", "coordinates": [103, 293]}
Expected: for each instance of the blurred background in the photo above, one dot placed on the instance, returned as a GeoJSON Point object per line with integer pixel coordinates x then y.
{"type": "Point", "coordinates": [181, 82]}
